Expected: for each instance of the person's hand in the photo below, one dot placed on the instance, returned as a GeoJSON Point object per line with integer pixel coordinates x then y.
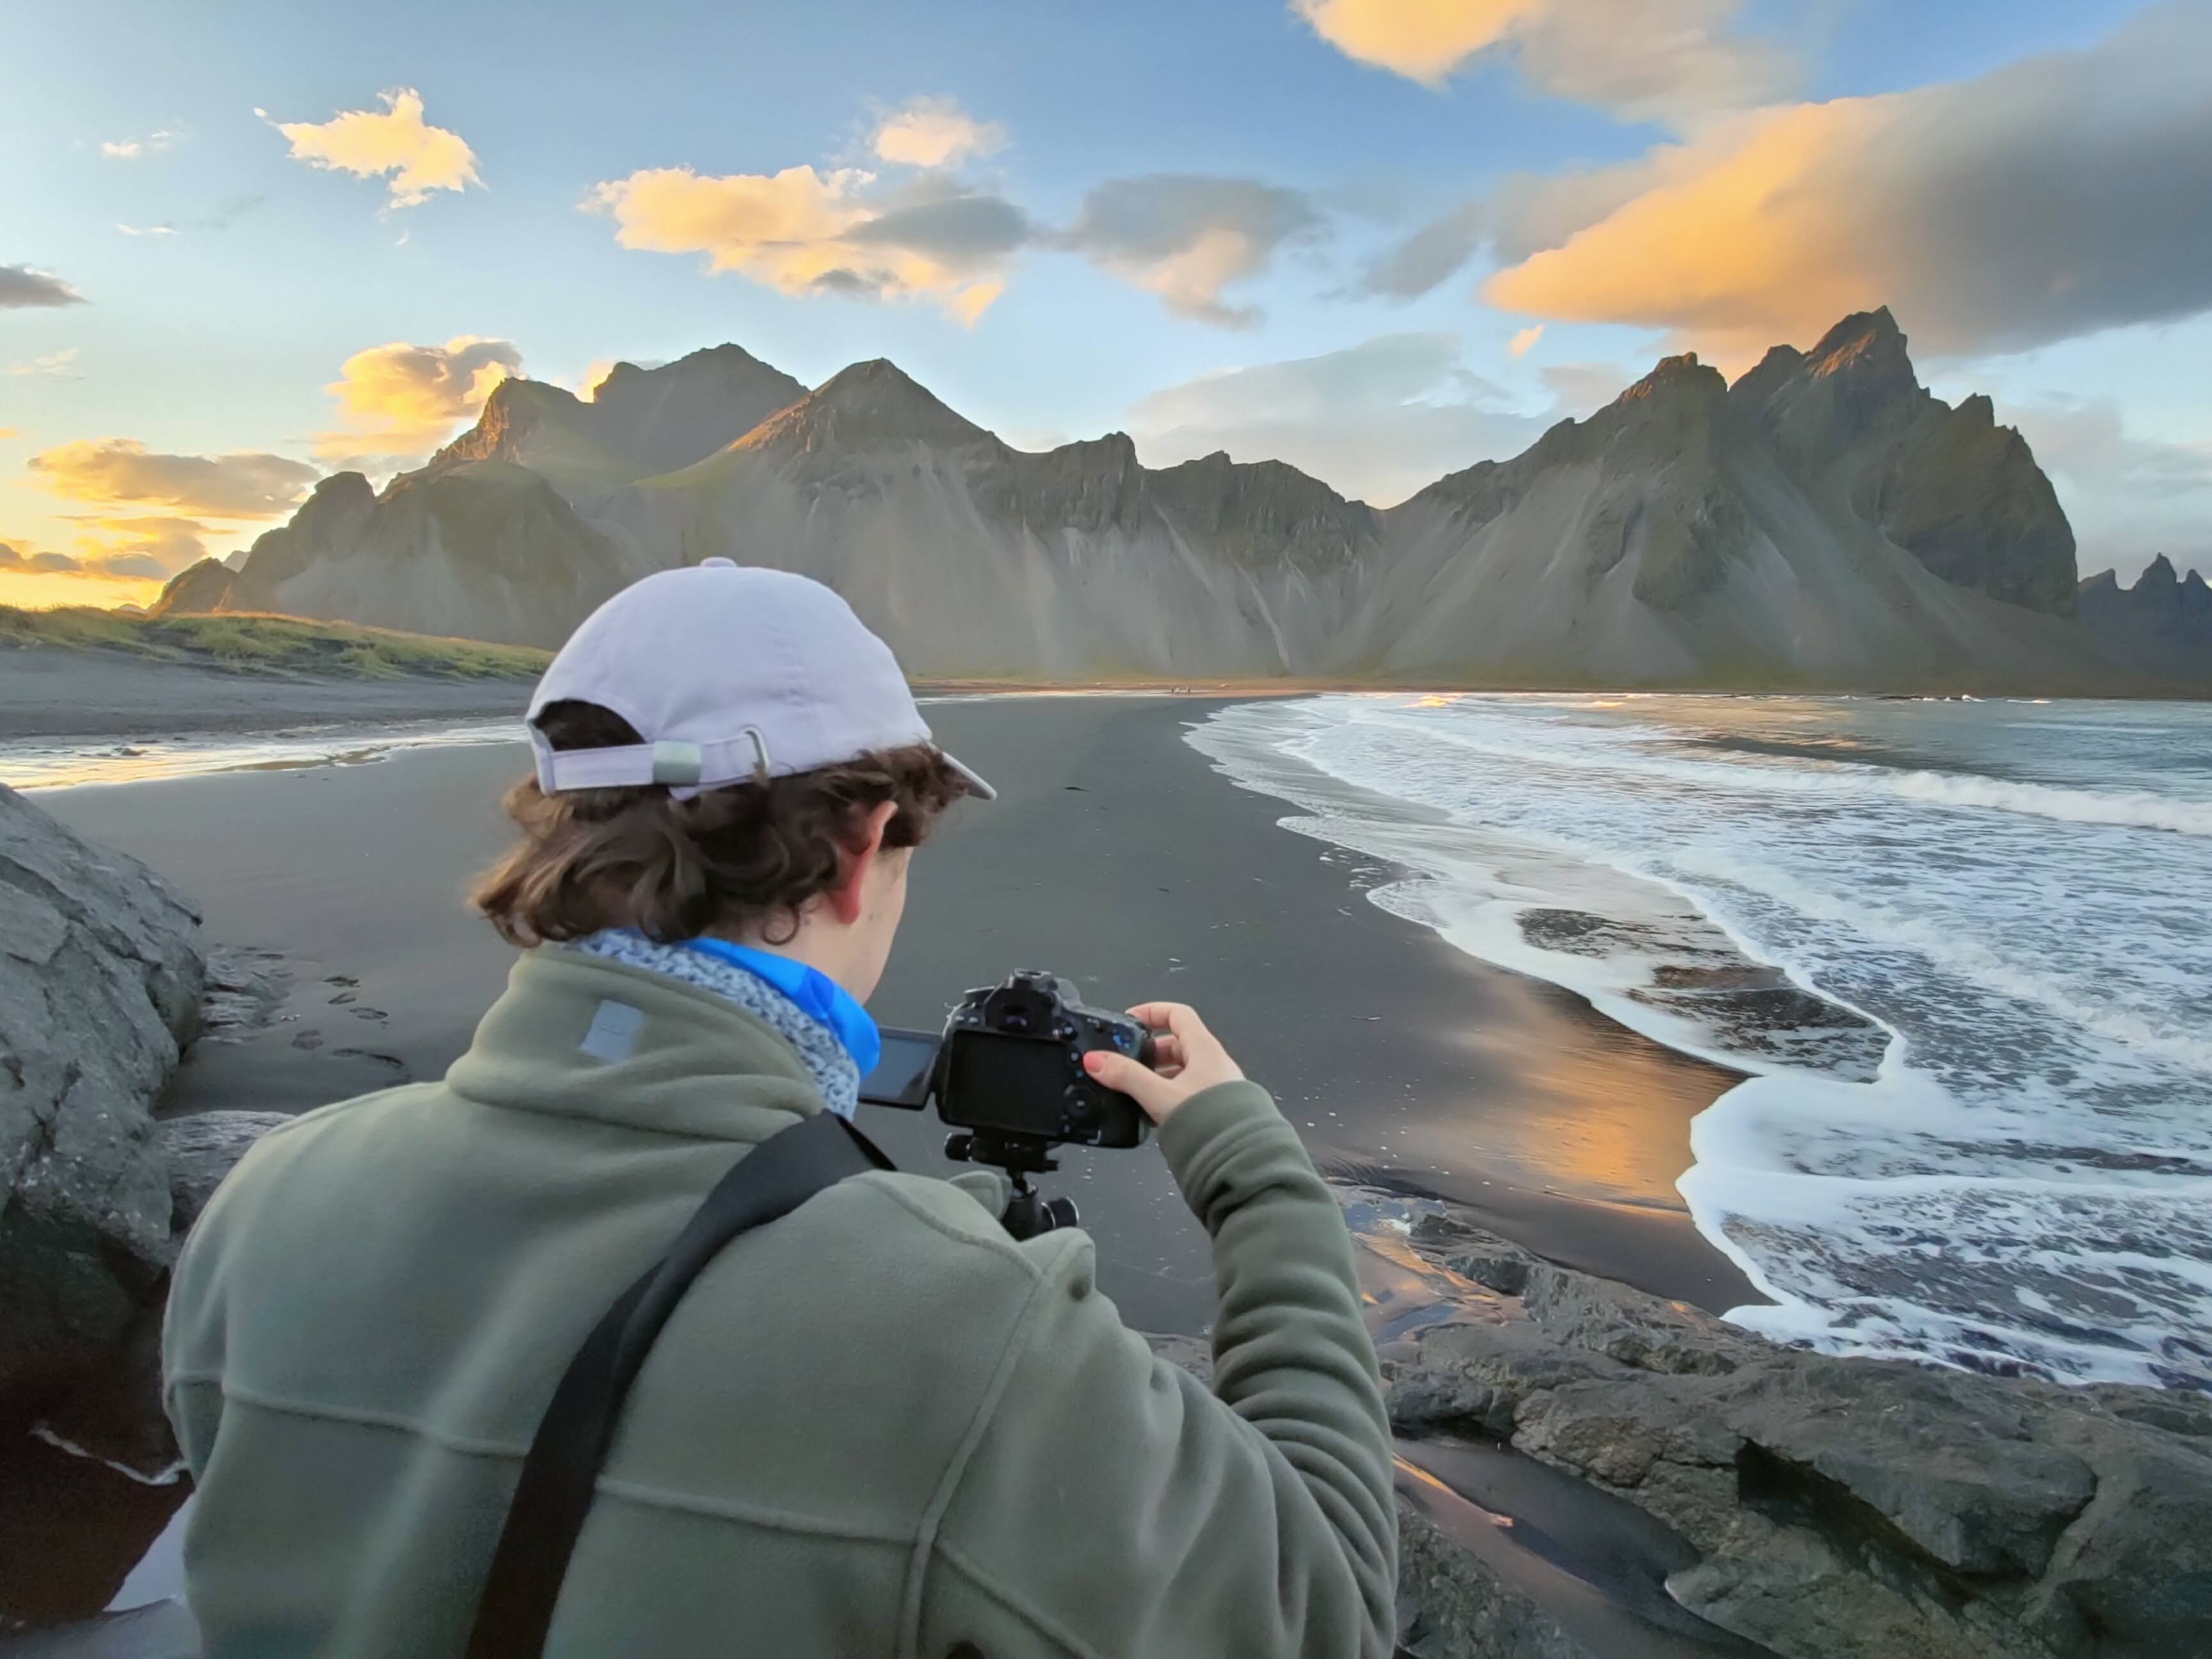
{"type": "Point", "coordinates": [1186, 1059]}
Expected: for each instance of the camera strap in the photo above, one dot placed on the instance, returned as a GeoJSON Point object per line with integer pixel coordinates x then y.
{"type": "Point", "coordinates": [554, 1492]}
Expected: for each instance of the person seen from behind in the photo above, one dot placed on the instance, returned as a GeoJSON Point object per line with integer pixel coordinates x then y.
{"type": "Point", "coordinates": [879, 1424]}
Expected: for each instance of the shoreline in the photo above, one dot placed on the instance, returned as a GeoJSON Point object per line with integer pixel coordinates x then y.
{"type": "Point", "coordinates": [1117, 855]}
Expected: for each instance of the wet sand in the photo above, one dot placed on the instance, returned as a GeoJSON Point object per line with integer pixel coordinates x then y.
{"type": "Point", "coordinates": [1115, 855]}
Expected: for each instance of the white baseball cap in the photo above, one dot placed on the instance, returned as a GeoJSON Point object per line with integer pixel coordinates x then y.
{"type": "Point", "coordinates": [728, 673]}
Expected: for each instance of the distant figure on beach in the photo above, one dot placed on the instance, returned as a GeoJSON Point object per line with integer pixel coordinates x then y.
{"type": "Point", "coordinates": [878, 1423]}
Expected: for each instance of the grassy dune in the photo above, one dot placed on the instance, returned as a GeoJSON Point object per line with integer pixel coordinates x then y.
{"type": "Point", "coordinates": [270, 644]}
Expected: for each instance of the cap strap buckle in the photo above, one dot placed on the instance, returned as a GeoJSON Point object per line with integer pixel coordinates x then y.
{"type": "Point", "coordinates": [675, 761]}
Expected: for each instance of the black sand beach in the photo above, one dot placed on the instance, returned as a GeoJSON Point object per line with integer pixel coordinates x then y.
{"type": "Point", "coordinates": [1115, 855]}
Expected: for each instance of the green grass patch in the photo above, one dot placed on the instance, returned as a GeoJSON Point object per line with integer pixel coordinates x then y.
{"type": "Point", "coordinates": [249, 643]}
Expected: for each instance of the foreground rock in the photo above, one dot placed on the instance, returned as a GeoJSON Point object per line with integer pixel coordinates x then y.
{"type": "Point", "coordinates": [100, 975]}
{"type": "Point", "coordinates": [1839, 1507]}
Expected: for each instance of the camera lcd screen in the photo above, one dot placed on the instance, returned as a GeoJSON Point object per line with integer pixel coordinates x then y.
{"type": "Point", "coordinates": [1009, 1084]}
{"type": "Point", "coordinates": [901, 1073]}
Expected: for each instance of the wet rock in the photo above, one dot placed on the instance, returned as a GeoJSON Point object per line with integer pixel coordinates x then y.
{"type": "Point", "coordinates": [1841, 1507]}
{"type": "Point", "coordinates": [101, 974]}
{"type": "Point", "coordinates": [1450, 1605]}
{"type": "Point", "coordinates": [201, 1149]}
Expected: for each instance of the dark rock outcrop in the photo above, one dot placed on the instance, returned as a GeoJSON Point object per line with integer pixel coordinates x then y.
{"type": "Point", "coordinates": [100, 973]}
{"type": "Point", "coordinates": [1823, 524]}
{"type": "Point", "coordinates": [1840, 1507]}
{"type": "Point", "coordinates": [1958, 492]}
{"type": "Point", "coordinates": [488, 549]}
{"type": "Point", "coordinates": [2162, 626]}
{"type": "Point", "coordinates": [638, 421]}
{"type": "Point", "coordinates": [208, 586]}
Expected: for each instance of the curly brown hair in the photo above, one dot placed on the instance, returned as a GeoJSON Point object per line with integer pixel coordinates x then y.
{"type": "Point", "coordinates": [743, 856]}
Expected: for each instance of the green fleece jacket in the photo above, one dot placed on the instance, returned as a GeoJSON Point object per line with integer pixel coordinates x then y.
{"type": "Point", "coordinates": [878, 1425]}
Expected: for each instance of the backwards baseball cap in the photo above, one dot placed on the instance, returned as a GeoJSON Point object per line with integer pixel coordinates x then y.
{"type": "Point", "coordinates": [728, 673]}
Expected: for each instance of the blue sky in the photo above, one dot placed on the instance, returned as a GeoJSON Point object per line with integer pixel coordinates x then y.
{"type": "Point", "coordinates": [1187, 221]}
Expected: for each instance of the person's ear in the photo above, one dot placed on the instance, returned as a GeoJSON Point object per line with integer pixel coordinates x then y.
{"type": "Point", "coordinates": [847, 898]}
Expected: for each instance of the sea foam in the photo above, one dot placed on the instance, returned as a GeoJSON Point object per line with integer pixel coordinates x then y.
{"type": "Point", "coordinates": [1961, 952]}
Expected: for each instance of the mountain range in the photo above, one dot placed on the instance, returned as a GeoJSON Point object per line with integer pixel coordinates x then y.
{"type": "Point", "coordinates": [1824, 521]}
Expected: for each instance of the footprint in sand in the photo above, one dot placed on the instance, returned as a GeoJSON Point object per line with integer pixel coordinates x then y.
{"type": "Point", "coordinates": [392, 1061]}
{"type": "Point", "coordinates": [376, 1014]}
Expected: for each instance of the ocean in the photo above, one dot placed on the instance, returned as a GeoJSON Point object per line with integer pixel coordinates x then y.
{"type": "Point", "coordinates": [1960, 951]}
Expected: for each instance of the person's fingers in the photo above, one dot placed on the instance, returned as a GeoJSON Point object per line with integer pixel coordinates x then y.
{"type": "Point", "coordinates": [1157, 1095]}
{"type": "Point", "coordinates": [1177, 1017]}
{"type": "Point", "coordinates": [1168, 1056]}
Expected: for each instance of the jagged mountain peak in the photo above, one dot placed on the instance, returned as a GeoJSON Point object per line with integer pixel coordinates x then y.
{"type": "Point", "coordinates": [865, 406]}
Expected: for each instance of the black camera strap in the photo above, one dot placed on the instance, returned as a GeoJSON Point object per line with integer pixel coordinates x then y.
{"type": "Point", "coordinates": [554, 1492]}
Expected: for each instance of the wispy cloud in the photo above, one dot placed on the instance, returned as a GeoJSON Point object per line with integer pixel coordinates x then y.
{"type": "Point", "coordinates": [394, 144]}
{"type": "Point", "coordinates": [22, 287]}
{"type": "Point", "coordinates": [132, 149]}
{"type": "Point", "coordinates": [2129, 497]}
{"type": "Point", "coordinates": [1642, 60]}
{"type": "Point", "coordinates": [1376, 420]}
{"type": "Point", "coordinates": [1187, 237]}
{"type": "Point", "coordinates": [60, 364]}
{"type": "Point", "coordinates": [934, 132]}
{"type": "Point", "coordinates": [398, 401]}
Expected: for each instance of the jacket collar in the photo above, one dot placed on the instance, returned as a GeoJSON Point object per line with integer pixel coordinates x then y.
{"type": "Point", "coordinates": [579, 1036]}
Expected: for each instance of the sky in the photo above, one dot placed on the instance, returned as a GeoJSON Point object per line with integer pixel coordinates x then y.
{"type": "Point", "coordinates": [243, 245]}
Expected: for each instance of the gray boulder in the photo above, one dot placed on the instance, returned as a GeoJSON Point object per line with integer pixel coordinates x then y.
{"type": "Point", "coordinates": [101, 974]}
{"type": "Point", "coordinates": [1840, 1508]}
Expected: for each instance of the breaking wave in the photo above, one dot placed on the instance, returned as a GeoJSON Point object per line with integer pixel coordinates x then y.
{"type": "Point", "coordinates": [1962, 951]}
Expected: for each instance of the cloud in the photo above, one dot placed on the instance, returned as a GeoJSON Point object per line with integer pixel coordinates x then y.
{"type": "Point", "coordinates": [1580, 389]}
{"type": "Point", "coordinates": [239, 485]}
{"type": "Point", "coordinates": [2128, 497]}
{"type": "Point", "coordinates": [1429, 254]}
{"type": "Point", "coordinates": [10, 431]}
{"type": "Point", "coordinates": [143, 566]}
{"type": "Point", "coordinates": [1376, 421]}
{"type": "Point", "coordinates": [61, 364]}
{"type": "Point", "coordinates": [397, 402]}
{"type": "Point", "coordinates": [804, 231]}
{"type": "Point", "coordinates": [934, 132]}
{"type": "Point", "coordinates": [1642, 60]}
{"type": "Point", "coordinates": [226, 214]}
{"type": "Point", "coordinates": [130, 150]}
{"type": "Point", "coordinates": [20, 287]}
{"type": "Point", "coordinates": [2048, 198]}
{"type": "Point", "coordinates": [1521, 343]}
{"type": "Point", "coordinates": [13, 560]}
{"type": "Point", "coordinates": [1186, 237]}
{"type": "Point", "coordinates": [394, 141]}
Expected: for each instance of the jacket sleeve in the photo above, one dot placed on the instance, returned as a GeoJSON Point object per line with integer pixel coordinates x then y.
{"type": "Point", "coordinates": [1111, 1506]}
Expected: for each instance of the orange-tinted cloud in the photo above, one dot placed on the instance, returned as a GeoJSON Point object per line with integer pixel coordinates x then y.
{"type": "Point", "coordinates": [243, 484]}
{"type": "Point", "coordinates": [934, 132]}
{"type": "Point", "coordinates": [395, 142]}
{"type": "Point", "coordinates": [804, 231]}
{"type": "Point", "coordinates": [2048, 198]}
{"type": "Point", "coordinates": [1641, 59]}
{"type": "Point", "coordinates": [398, 402]}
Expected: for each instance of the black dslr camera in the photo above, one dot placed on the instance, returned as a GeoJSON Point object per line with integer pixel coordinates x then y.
{"type": "Point", "coordinates": [1007, 1073]}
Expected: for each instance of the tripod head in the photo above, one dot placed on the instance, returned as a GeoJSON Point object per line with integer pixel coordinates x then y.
{"type": "Point", "coordinates": [1028, 1212]}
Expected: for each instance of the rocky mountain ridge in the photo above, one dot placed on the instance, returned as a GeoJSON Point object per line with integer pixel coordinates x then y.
{"type": "Point", "coordinates": [1823, 522]}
